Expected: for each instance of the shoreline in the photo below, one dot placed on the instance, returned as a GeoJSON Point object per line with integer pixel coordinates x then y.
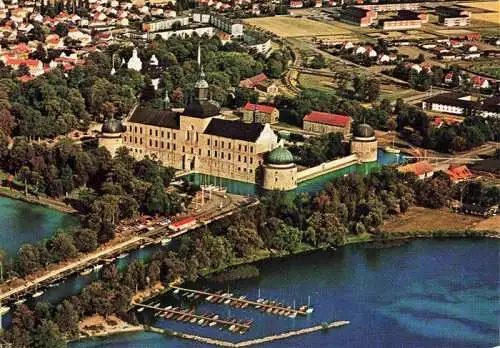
{"type": "Point", "coordinates": [42, 201]}
{"type": "Point", "coordinates": [406, 236]}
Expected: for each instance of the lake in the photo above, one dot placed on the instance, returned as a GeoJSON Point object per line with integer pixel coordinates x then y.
{"type": "Point", "coordinates": [427, 293]}
{"type": "Point", "coordinates": [22, 222]}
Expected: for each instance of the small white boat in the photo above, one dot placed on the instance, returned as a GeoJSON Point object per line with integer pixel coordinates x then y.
{"type": "Point", "coordinates": [390, 149]}
{"type": "Point", "coordinates": [309, 310]}
{"type": "Point", "coordinates": [86, 271]}
{"type": "Point", "coordinates": [122, 256]}
{"type": "Point", "coordinates": [165, 241]}
{"type": "Point", "coordinates": [53, 285]}
{"type": "Point", "coordinates": [209, 298]}
{"type": "Point", "coordinates": [231, 328]}
{"type": "Point", "coordinates": [227, 301]}
{"type": "Point", "coordinates": [156, 305]}
{"type": "Point", "coordinates": [176, 291]}
{"type": "Point", "coordinates": [142, 246]}
{"type": "Point", "coordinates": [140, 309]}
{"type": "Point", "coordinates": [212, 323]}
{"type": "Point", "coordinates": [193, 320]}
{"type": "Point", "coordinates": [20, 302]}
{"type": "Point", "coordinates": [293, 315]}
{"type": "Point", "coordinates": [97, 267]}
{"type": "Point", "coordinates": [37, 294]}
{"type": "Point", "coordinates": [168, 307]}
{"type": "Point", "coordinates": [4, 310]}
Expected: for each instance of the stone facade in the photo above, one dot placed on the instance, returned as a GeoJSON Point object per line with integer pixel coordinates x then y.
{"type": "Point", "coordinates": [279, 177]}
{"type": "Point", "coordinates": [366, 150]}
{"type": "Point", "coordinates": [111, 142]}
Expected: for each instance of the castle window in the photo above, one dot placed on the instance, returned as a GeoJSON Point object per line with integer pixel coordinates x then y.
{"type": "Point", "coordinates": [130, 128]}
{"type": "Point", "coordinates": [251, 160]}
{"type": "Point", "coordinates": [239, 169]}
{"type": "Point", "coordinates": [150, 132]}
{"type": "Point", "coordinates": [162, 144]}
{"type": "Point", "coordinates": [229, 156]}
{"type": "Point", "coordinates": [135, 129]}
{"type": "Point", "coordinates": [150, 142]}
{"type": "Point", "coordinates": [199, 152]}
{"type": "Point", "coordinates": [251, 149]}
{"type": "Point", "coordinates": [196, 136]}
{"type": "Point", "coordinates": [215, 154]}
{"type": "Point", "coordinates": [208, 153]}
{"type": "Point", "coordinates": [156, 143]}
{"type": "Point", "coordinates": [156, 132]}
{"type": "Point", "coordinates": [260, 163]}
{"type": "Point", "coordinates": [168, 135]}
{"type": "Point", "coordinates": [187, 135]}
{"type": "Point", "coordinates": [135, 140]}
{"type": "Point", "coordinates": [192, 150]}
{"type": "Point", "coordinates": [245, 148]}
{"type": "Point", "coordinates": [183, 149]}
{"type": "Point", "coordinates": [208, 142]}
{"type": "Point", "coordinates": [244, 169]}
{"type": "Point", "coordinates": [222, 155]}
{"type": "Point", "coordinates": [140, 130]}
{"type": "Point", "coordinates": [239, 147]}
{"type": "Point", "coordinates": [173, 134]}
{"type": "Point", "coordinates": [140, 141]}
{"type": "Point", "coordinates": [168, 146]}
{"type": "Point", "coordinates": [251, 170]}
{"type": "Point", "coordinates": [229, 146]}
{"type": "Point", "coordinates": [174, 147]}
{"type": "Point", "coordinates": [162, 134]}
{"type": "Point", "coordinates": [245, 159]}
{"type": "Point", "coordinates": [222, 144]}
{"type": "Point", "coordinates": [239, 158]}
{"type": "Point", "coordinates": [216, 143]}
{"type": "Point", "coordinates": [130, 139]}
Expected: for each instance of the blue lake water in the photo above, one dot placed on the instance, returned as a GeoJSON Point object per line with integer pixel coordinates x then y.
{"type": "Point", "coordinates": [428, 293]}
{"type": "Point", "coordinates": [22, 222]}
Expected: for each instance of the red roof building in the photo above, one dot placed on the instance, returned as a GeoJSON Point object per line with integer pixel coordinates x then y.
{"type": "Point", "coordinates": [421, 169]}
{"type": "Point", "coordinates": [259, 107]}
{"type": "Point", "coordinates": [252, 82]}
{"type": "Point", "coordinates": [323, 122]}
{"type": "Point", "coordinates": [183, 223]}
{"type": "Point", "coordinates": [460, 173]}
{"type": "Point", "coordinates": [258, 113]}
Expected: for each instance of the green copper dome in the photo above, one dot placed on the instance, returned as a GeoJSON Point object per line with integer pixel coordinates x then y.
{"type": "Point", "coordinates": [279, 155]}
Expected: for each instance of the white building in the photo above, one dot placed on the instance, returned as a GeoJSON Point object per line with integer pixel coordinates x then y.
{"type": "Point", "coordinates": [134, 62]}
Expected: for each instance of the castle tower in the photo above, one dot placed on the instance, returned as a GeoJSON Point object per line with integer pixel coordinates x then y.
{"type": "Point", "coordinates": [280, 171]}
{"type": "Point", "coordinates": [364, 143]}
{"type": "Point", "coordinates": [111, 135]}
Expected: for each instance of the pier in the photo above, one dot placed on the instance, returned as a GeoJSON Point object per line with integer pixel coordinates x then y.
{"type": "Point", "coordinates": [271, 338]}
{"type": "Point", "coordinates": [269, 307]}
{"type": "Point", "coordinates": [238, 326]}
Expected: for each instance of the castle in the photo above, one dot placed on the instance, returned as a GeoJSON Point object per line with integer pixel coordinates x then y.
{"type": "Point", "coordinates": [199, 140]}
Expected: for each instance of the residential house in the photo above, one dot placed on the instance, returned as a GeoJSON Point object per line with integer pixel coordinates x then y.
{"type": "Point", "coordinates": [259, 113]}
{"type": "Point", "coordinates": [422, 169]}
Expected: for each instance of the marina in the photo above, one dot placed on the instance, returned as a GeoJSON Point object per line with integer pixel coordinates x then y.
{"type": "Point", "coordinates": [205, 319]}
{"type": "Point", "coordinates": [268, 306]}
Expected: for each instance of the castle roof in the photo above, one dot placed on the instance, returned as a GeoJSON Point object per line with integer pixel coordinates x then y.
{"type": "Point", "coordinates": [234, 129]}
{"type": "Point", "coordinates": [155, 117]}
{"type": "Point", "coordinates": [280, 156]}
{"type": "Point", "coordinates": [326, 118]}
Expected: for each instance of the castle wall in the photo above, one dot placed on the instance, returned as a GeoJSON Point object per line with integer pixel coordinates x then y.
{"type": "Point", "coordinates": [276, 177]}
{"type": "Point", "coordinates": [111, 142]}
{"type": "Point", "coordinates": [326, 167]}
{"type": "Point", "coordinates": [366, 150]}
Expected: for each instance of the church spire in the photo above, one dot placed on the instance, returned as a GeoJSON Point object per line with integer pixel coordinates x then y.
{"type": "Point", "coordinates": [201, 86]}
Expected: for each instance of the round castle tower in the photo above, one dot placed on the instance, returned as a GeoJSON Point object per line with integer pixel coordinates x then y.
{"type": "Point", "coordinates": [111, 135]}
{"type": "Point", "coordinates": [364, 143]}
{"type": "Point", "coordinates": [280, 171]}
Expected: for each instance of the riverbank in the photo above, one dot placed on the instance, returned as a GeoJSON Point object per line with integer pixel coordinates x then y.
{"type": "Point", "coordinates": [43, 201]}
{"type": "Point", "coordinates": [98, 326]}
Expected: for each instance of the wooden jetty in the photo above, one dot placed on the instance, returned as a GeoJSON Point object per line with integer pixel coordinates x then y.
{"type": "Point", "coordinates": [239, 326]}
{"type": "Point", "coordinates": [269, 307]}
{"type": "Point", "coordinates": [258, 341]}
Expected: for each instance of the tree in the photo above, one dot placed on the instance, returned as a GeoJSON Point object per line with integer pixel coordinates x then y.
{"type": "Point", "coordinates": [372, 90]}
{"type": "Point", "coordinates": [157, 201]}
{"type": "Point", "coordinates": [61, 247]}
{"type": "Point", "coordinates": [85, 239]}
{"type": "Point", "coordinates": [28, 259]}
{"type": "Point", "coordinates": [66, 318]}
{"type": "Point", "coordinates": [245, 95]}
{"type": "Point", "coordinates": [48, 335]}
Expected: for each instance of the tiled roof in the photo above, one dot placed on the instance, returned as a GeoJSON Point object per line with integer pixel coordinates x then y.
{"type": "Point", "coordinates": [326, 118]}
{"type": "Point", "coordinates": [418, 168]}
{"type": "Point", "coordinates": [155, 117]}
{"type": "Point", "coordinates": [459, 173]}
{"type": "Point", "coordinates": [261, 108]}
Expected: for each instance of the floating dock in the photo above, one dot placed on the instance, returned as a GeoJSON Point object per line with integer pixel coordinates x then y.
{"type": "Point", "coordinates": [232, 324]}
{"type": "Point", "coordinates": [265, 306]}
{"type": "Point", "coordinates": [221, 343]}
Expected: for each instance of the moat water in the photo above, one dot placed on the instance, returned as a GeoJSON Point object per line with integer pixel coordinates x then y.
{"type": "Point", "coordinates": [427, 293]}
{"type": "Point", "coordinates": [22, 223]}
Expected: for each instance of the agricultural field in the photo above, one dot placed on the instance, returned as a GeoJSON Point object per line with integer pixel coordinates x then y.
{"type": "Point", "coordinates": [295, 27]}
{"type": "Point", "coordinates": [397, 35]}
{"type": "Point", "coordinates": [491, 17]}
{"type": "Point", "coordinates": [322, 83]}
{"type": "Point", "coordinates": [487, 68]}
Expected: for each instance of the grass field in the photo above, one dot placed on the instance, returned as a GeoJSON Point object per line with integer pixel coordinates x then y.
{"type": "Point", "coordinates": [321, 83]}
{"type": "Point", "coordinates": [423, 219]}
{"type": "Point", "coordinates": [295, 27]}
{"type": "Point", "coordinates": [492, 17]}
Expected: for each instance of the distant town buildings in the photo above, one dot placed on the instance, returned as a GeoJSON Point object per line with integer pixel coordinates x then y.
{"type": "Point", "coordinates": [452, 16]}
{"type": "Point", "coordinates": [358, 16]}
{"type": "Point", "coordinates": [463, 104]}
{"type": "Point", "coordinates": [259, 113]}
